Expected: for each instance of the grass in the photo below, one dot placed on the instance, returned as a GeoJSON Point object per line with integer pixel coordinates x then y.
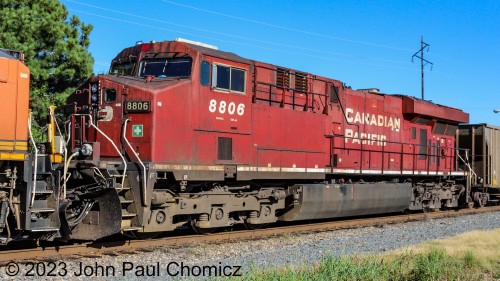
{"type": "Point", "coordinates": [483, 245]}
{"type": "Point", "coordinates": [470, 256]}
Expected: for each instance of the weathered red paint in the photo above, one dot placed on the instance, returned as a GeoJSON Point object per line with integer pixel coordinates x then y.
{"type": "Point", "coordinates": [285, 128]}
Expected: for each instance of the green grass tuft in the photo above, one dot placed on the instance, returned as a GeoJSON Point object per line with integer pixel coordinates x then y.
{"type": "Point", "coordinates": [433, 264]}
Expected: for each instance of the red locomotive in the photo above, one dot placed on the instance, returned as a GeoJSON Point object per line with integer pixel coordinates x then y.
{"type": "Point", "coordinates": [180, 133]}
{"type": "Point", "coordinates": [215, 139]}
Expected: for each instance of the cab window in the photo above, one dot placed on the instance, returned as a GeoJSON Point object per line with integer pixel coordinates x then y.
{"type": "Point", "coordinates": [205, 73]}
{"type": "Point", "coordinates": [110, 95]}
{"type": "Point", "coordinates": [166, 67]}
{"type": "Point", "coordinates": [228, 78]}
{"type": "Point", "coordinates": [124, 68]}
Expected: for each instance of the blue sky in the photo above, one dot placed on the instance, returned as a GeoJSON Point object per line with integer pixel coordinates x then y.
{"type": "Point", "coordinates": [362, 43]}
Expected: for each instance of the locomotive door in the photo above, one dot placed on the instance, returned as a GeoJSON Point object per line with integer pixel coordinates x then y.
{"type": "Point", "coordinates": [445, 154]}
{"type": "Point", "coordinates": [224, 102]}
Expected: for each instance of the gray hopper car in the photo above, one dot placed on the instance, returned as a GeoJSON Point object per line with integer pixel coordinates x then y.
{"type": "Point", "coordinates": [483, 144]}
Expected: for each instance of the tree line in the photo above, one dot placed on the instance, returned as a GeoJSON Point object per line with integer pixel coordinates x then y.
{"type": "Point", "coordinates": [56, 49]}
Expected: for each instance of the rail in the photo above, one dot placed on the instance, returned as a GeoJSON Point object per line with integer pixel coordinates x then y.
{"type": "Point", "coordinates": [97, 249]}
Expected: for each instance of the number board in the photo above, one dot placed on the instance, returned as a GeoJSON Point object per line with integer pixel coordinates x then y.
{"type": "Point", "coordinates": [137, 106]}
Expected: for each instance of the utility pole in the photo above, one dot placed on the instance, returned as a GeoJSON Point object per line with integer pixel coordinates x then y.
{"type": "Point", "coordinates": [423, 61]}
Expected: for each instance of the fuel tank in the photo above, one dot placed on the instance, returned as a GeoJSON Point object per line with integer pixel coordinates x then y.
{"type": "Point", "coordinates": [320, 201]}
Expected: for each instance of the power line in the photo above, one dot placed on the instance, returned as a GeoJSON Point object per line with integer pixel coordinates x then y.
{"type": "Point", "coordinates": [269, 42]}
{"type": "Point", "coordinates": [423, 62]}
{"type": "Point", "coordinates": [313, 33]}
{"type": "Point", "coordinates": [226, 34]}
{"type": "Point", "coordinates": [288, 28]}
{"type": "Point", "coordinates": [238, 43]}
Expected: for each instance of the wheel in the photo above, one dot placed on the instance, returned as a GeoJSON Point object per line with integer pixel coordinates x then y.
{"type": "Point", "coordinates": [199, 230]}
{"type": "Point", "coordinates": [255, 226]}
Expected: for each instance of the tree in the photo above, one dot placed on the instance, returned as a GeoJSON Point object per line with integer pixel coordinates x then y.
{"type": "Point", "coordinates": [55, 48]}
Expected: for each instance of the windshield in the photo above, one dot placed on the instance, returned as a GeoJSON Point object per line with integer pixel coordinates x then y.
{"type": "Point", "coordinates": [126, 68]}
{"type": "Point", "coordinates": [166, 67]}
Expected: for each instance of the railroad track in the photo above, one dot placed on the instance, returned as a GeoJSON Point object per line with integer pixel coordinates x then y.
{"type": "Point", "coordinates": [56, 252]}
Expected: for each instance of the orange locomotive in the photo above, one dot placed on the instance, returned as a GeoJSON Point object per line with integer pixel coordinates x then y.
{"type": "Point", "coordinates": [14, 90]}
{"type": "Point", "coordinates": [28, 183]}
{"type": "Point", "coordinates": [14, 80]}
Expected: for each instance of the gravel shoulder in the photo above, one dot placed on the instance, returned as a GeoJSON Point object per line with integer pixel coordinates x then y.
{"type": "Point", "coordinates": [275, 252]}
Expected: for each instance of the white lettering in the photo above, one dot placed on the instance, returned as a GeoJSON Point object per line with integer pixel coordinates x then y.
{"type": "Point", "coordinates": [373, 119]}
{"type": "Point", "coordinates": [380, 121]}
{"type": "Point", "coordinates": [364, 138]}
{"type": "Point", "coordinates": [348, 135]}
{"type": "Point", "coordinates": [356, 138]}
{"type": "Point", "coordinates": [349, 118]}
{"type": "Point", "coordinates": [390, 124]}
{"type": "Point", "coordinates": [231, 109]}
{"type": "Point", "coordinates": [397, 124]}
{"type": "Point", "coordinates": [358, 118]}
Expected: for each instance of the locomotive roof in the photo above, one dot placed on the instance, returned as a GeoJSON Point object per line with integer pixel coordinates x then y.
{"type": "Point", "coordinates": [12, 54]}
{"type": "Point", "coordinates": [428, 102]}
{"type": "Point", "coordinates": [234, 57]}
{"type": "Point", "coordinates": [482, 125]}
{"type": "Point", "coordinates": [218, 53]}
{"type": "Point", "coordinates": [3, 54]}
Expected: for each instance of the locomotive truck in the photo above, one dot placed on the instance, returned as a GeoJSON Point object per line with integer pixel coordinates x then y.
{"type": "Point", "coordinates": [181, 134]}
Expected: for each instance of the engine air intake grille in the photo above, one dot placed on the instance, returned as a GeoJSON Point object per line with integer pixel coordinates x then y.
{"type": "Point", "coordinates": [282, 78]}
{"type": "Point", "coordinates": [225, 149]}
{"type": "Point", "coordinates": [300, 82]}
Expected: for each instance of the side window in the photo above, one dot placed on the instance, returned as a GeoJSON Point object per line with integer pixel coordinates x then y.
{"type": "Point", "coordinates": [228, 78]}
{"type": "Point", "coordinates": [220, 76]}
{"type": "Point", "coordinates": [205, 73]}
{"type": "Point", "coordinates": [237, 80]}
{"type": "Point", "coordinates": [110, 95]}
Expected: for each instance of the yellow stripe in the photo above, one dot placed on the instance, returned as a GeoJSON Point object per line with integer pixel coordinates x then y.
{"type": "Point", "coordinates": [14, 145]}
{"type": "Point", "coordinates": [13, 156]}
{"type": "Point", "coordinates": [4, 142]}
{"type": "Point", "coordinates": [13, 148]}
{"type": "Point", "coordinates": [56, 158]}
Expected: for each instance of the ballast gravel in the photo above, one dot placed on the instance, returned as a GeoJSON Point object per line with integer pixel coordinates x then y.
{"type": "Point", "coordinates": [167, 263]}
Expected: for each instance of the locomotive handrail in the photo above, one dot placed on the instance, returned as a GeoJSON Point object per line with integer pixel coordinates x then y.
{"type": "Point", "coordinates": [36, 161]}
{"type": "Point", "coordinates": [51, 112]}
{"type": "Point", "coordinates": [144, 178]}
{"type": "Point", "coordinates": [293, 91]}
{"type": "Point", "coordinates": [111, 141]}
{"type": "Point", "coordinates": [467, 165]}
{"type": "Point", "coordinates": [383, 150]}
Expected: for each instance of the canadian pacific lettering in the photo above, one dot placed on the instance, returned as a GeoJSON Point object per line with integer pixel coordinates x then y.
{"type": "Point", "coordinates": [370, 119]}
